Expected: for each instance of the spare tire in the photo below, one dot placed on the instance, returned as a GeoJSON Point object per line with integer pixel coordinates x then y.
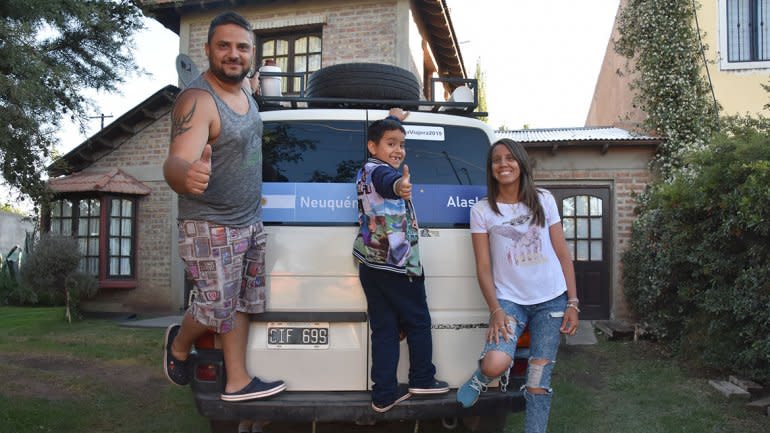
{"type": "Point", "coordinates": [363, 81]}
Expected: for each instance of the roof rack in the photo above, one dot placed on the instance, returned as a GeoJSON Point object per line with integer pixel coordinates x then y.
{"type": "Point", "coordinates": [463, 108]}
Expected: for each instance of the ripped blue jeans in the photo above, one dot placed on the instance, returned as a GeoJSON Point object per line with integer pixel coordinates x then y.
{"type": "Point", "coordinates": [544, 321]}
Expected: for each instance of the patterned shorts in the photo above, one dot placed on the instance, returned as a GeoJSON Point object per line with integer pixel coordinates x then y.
{"type": "Point", "coordinates": [227, 267]}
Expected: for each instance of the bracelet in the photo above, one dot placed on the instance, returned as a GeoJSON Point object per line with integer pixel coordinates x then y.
{"type": "Point", "coordinates": [573, 306]}
{"type": "Point", "coordinates": [573, 301]}
{"type": "Point", "coordinates": [492, 314]}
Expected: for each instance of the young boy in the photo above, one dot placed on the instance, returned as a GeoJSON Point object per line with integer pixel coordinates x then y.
{"type": "Point", "coordinates": [390, 270]}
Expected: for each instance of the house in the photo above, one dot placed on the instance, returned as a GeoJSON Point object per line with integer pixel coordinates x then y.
{"type": "Point", "coordinates": [737, 63]}
{"type": "Point", "coordinates": [110, 191]}
{"type": "Point", "coordinates": [301, 36]}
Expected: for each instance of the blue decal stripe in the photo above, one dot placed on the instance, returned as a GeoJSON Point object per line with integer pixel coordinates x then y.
{"type": "Point", "coordinates": [338, 203]}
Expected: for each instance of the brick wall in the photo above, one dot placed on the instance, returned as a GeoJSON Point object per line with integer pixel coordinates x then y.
{"type": "Point", "coordinates": [625, 173]}
{"type": "Point", "coordinates": [146, 148]}
{"type": "Point", "coordinates": [353, 31]}
{"type": "Point", "coordinates": [624, 184]}
{"type": "Point", "coordinates": [142, 156]}
{"type": "Point", "coordinates": [363, 33]}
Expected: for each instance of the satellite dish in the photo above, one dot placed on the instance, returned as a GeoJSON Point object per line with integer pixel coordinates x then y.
{"type": "Point", "coordinates": [186, 69]}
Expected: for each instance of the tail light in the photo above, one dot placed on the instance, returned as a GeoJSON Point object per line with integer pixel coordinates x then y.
{"type": "Point", "coordinates": [208, 365]}
{"type": "Point", "coordinates": [206, 372]}
{"type": "Point", "coordinates": [523, 339]}
{"type": "Point", "coordinates": [519, 368]}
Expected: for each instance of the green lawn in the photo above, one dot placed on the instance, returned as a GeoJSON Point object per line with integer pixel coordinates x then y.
{"type": "Point", "coordinates": [88, 376]}
{"type": "Point", "coordinates": [629, 387]}
{"type": "Point", "coordinates": [95, 376]}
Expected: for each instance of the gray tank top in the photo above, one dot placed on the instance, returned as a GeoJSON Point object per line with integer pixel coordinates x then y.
{"type": "Point", "coordinates": [234, 194]}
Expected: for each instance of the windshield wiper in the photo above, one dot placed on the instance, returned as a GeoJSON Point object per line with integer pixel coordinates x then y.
{"type": "Point", "coordinates": [451, 164]}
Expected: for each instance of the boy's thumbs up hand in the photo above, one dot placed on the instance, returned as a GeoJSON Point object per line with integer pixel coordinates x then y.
{"type": "Point", "coordinates": [199, 172]}
{"type": "Point", "coordinates": [404, 185]}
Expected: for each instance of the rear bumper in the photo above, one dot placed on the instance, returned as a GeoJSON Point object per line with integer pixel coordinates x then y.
{"type": "Point", "coordinates": [353, 406]}
{"type": "Point", "coordinates": [341, 406]}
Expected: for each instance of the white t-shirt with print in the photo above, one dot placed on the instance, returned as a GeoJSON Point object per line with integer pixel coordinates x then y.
{"type": "Point", "coordinates": [525, 268]}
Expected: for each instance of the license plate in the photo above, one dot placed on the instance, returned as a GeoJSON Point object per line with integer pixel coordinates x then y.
{"type": "Point", "coordinates": [293, 335]}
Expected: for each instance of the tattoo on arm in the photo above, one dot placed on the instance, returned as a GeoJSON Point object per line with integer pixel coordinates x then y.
{"type": "Point", "coordinates": [180, 123]}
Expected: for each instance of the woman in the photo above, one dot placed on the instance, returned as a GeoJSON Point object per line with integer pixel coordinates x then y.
{"type": "Point", "coordinates": [526, 276]}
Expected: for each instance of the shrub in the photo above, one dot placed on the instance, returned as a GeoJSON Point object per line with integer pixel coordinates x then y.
{"type": "Point", "coordinates": [697, 271]}
{"type": "Point", "coordinates": [13, 293]}
{"type": "Point", "coordinates": [50, 270]}
{"type": "Point", "coordinates": [49, 263]}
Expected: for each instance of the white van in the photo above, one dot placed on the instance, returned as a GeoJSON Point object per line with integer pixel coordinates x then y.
{"type": "Point", "coordinates": [315, 334]}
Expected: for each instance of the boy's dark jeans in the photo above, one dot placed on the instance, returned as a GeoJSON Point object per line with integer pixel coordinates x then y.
{"type": "Point", "coordinates": [397, 302]}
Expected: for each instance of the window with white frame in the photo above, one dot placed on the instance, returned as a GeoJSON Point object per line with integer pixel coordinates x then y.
{"type": "Point", "coordinates": [745, 34]}
{"type": "Point", "coordinates": [121, 237]}
{"type": "Point", "coordinates": [108, 252]}
{"type": "Point", "coordinates": [61, 217]}
{"type": "Point", "coordinates": [582, 222]}
{"type": "Point", "coordinates": [87, 222]}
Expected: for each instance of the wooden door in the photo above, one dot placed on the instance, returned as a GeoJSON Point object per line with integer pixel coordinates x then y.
{"type": "Point", "coordinates": [586, 219]}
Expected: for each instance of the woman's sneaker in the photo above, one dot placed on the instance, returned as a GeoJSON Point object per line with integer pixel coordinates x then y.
{"type": "Point", "coordinates": [468, 393]}
{"type": "Point", "coordinates": [436, 387]}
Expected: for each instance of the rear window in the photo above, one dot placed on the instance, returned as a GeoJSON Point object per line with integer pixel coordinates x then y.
{"type": "Point", "coordinates": [454, 157]}
{"type": "Point", "coordinates": [309, 170]}
{"type": "Point", "coordinates": [333, 151]}
{"type": "Point", "coordinates": [312, 151]}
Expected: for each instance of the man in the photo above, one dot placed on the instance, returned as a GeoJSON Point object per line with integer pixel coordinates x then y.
{"type": "Point", "coordinates": [215, 165]}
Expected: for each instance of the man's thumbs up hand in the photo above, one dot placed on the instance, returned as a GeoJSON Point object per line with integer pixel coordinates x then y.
{"type": "Point", "coordinates": [404, 185]}
{"type": "Point", "coordinates": [199, 172]}
{"type": "Point", "coordinates": [206, 155]}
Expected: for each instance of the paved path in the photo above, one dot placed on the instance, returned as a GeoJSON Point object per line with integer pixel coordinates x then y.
{"type": "Point", "coordinates": [585, 334]}
{"type": "Point", "coordinates": [155, 322]}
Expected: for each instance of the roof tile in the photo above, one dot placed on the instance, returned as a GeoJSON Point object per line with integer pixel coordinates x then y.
{"type": "Point", "coordinates": [113, 180]}
{"type": "Point", "coordinates": [572, 134]}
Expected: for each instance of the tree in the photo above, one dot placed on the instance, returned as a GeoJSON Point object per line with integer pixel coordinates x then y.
{"type": "Point", "coordinates": [482, 89]}
{"type": "Point", "coordinates": [50, 51]}
{"type": "Point", "coordinates": [9, 208]}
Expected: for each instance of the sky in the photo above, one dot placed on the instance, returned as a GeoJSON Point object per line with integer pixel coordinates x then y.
{"type": "Point", "coordinates": [155, 53]}
{"type": "Point", "coordinates": [541, 59]}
